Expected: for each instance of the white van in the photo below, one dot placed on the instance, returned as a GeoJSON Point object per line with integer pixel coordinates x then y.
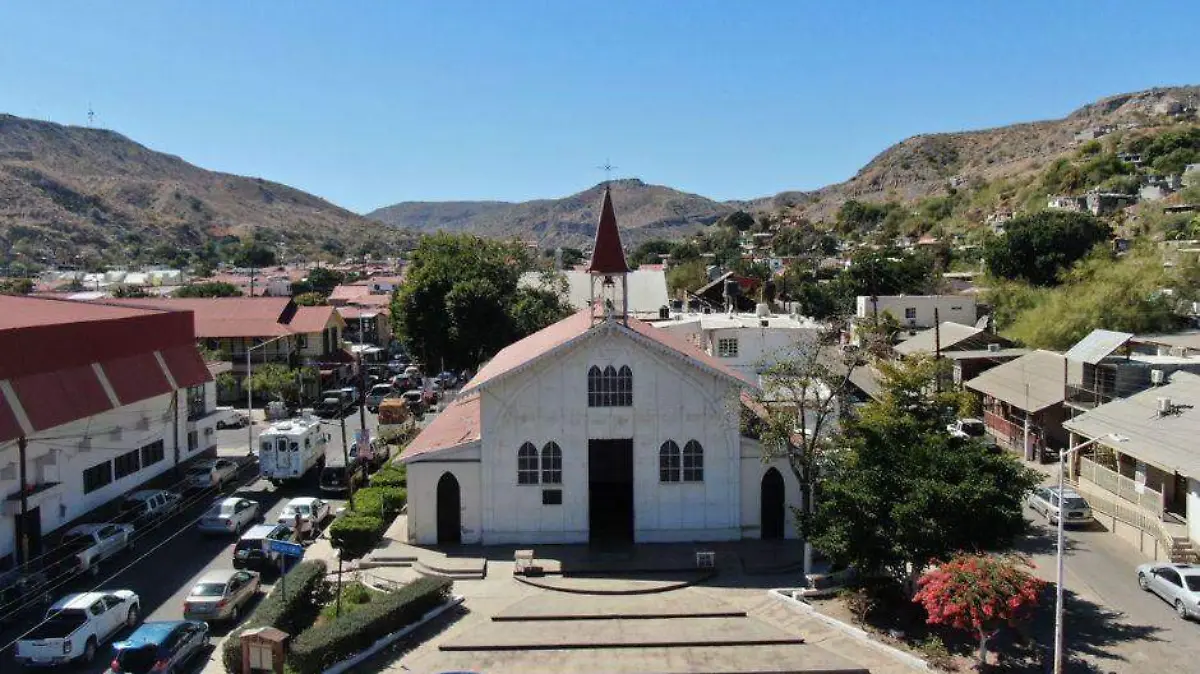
{"type": "Point", "coordinates": [290, 449]}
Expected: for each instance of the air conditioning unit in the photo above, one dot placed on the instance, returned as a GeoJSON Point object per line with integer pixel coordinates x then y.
{"type": "Point", "coordinates": [1164, 406]}
{"type": "Point", "coordinates": [1157, 377]}
{"type": "Point", "coordinates": [993, 348]}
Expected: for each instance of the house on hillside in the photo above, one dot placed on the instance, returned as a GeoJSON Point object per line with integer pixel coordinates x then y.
{"type": "Point", "coordinates": [1063, 202]}
{"type": "Point", "coordinates": [1103, 203]}
{"type": "Point", "coordinates": [916, 312]}
{"type": "Point", "coordinates": [1023, 402]}
{"type": "Point", "coordinates": [972, 350]}
{"type": "Point", "coordinates": [599, 428]}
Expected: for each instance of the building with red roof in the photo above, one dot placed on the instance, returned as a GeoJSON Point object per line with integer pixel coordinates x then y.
{"type": "Point", "coordinates": [94, 400]}
{"type": "Point", "coordinates": [598, 428]}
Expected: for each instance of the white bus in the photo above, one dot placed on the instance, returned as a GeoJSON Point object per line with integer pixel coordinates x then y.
{"type": "Point", "coordinates": [288, 450]}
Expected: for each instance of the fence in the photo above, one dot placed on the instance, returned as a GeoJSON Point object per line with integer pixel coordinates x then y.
{"type": "Point", "coordinates": [1145, 498]}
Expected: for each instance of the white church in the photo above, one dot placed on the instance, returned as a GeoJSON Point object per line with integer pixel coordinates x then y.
{"type": "Point", "coordinates": [598, 429]}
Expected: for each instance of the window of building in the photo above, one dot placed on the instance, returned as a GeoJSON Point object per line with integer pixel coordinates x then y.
{"type": "Point", "coordinates": [668, 462]}
{"type": "Point", "coordinates": [693, 462]}
{"type": "Point", "coordinates": [127, 464]}
{"type": "Point", "coordinates": [193, 441]}
{"type": "Point", "coordinates": [195, 402]}
{"type": "Point", "coordinates": [527, 464]}
{"type": "Point", "coordinates": [97, 476]}
{"type": "Point", "coordinates": [727, 347]}
{"type": "Point", "coordinates": [551, 464]}
{"type": "Point", "coordinates": [301, 341]}
{"type": "Point", "coordinates": [910, 313]}
{"type": "Point", "coordinates": [551, 497]}
{"type": "Point", "coordinates": [610, 387]}
{"type": "Point", "coordinates": [152, 453]}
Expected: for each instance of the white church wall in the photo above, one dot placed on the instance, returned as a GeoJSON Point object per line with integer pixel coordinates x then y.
{"type": "Point", "coordinates": [752, 471]}
{"type": "Point", "coordinates": [672, 400]}
{"type": "Point", "coordinates": [423, 477]}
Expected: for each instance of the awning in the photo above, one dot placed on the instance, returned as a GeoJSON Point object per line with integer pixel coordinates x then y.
{"type": "Point", "coordinates": [136, 378]}
{"type": "Point", "coordinates": [186, 366]}
{"type": "Point", "coordinates": [53, 398]}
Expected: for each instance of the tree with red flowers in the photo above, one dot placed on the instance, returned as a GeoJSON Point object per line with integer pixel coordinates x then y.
{"type": "Point", "coordinates": [979, 593]}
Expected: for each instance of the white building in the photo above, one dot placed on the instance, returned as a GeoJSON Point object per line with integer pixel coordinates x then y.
{"type": "Point", "coordinates": [94, 401]}
{"type": "Point", "coordinates": [746, 343]}
{"type": "Point", "coordinates": [647, 289]}
{"type": "Point", "coordinates": [598, 428]}
{"type": "Point", "coordinates": [917, 311]}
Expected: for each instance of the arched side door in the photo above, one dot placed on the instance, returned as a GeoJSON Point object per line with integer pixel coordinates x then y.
{"type": "Point", "coordinates": [773, 517]}
{"type": "Point", "coordinates": [449, 510]}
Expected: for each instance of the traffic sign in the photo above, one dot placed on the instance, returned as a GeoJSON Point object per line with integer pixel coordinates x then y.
{"type": "Point", "coordinates": [285, 548]}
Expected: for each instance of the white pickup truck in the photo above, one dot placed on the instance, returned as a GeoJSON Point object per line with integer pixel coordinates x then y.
{"type": "Point", "coordinates": [77, 625]}
{"type": "Point", "coordinates": [971, 429]}
{"type": "Point", "coordinates": [91, 544]}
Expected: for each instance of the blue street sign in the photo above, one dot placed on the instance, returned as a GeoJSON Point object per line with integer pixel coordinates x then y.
{"type": "Point", "coordinates": [285, 548]}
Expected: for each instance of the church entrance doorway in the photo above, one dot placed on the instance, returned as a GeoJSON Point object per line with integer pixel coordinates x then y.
{"type": "Point", "coordinates": [449, 511]}
{"type": "Point", "coordinates": [773, 515]}
{"type": "Point", "coordinates": [610, 491]}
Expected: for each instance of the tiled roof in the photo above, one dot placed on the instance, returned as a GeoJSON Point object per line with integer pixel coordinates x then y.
{"type": "Point", "coordinates": [349, 293]}
{"type": "Point", "coordinates": [457, 425]}
{"type": "Point", "coordinates": [577, 325]}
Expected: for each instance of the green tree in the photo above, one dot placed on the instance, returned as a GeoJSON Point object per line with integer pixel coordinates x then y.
{"type": "Point", "coordinates": [687, 277]}
{"type": "Point", "coordinates": [310, 299]}
{"type": "Point", "coordinates": [650, 252]}
{"type": "Point", "coordinates": [16, 286]}
{"type": "Point", "coordinates": [128, 292]}
{"type": "Point", "coordinates": [740, 221]}
{"type": "Point", "coordinates": [209, 289]}
{"type": "Point", "coordinates": [888, 272]}
{"type": "Point", "coordinates": [1038, 247]}
{"type": "Point", "coordinates": [902, 491]}
{"type": "Point", "coordinates": [534, 308]}
{"type": "Point", "coordinates": [254, 254]}
{"type": "Point", "coordinates": [277, 381]}
{"type": "Point", "coordinates": [323, 280]}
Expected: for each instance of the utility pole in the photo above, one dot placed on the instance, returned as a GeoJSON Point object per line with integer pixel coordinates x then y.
{"type": "Point", "coordinates": [24, 501]}
{"type": "Point", "coordinates": [937, 350]}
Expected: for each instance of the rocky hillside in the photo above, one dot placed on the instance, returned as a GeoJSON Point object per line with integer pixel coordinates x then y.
{"type": "Point", "coordinates": [926, 164]}
{"type": "Point", "coordinates": [68, 191]}
{"type": "Point", "coordinates": [643, 211]}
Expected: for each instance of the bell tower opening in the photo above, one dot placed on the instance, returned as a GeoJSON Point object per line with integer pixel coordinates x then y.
{"type": "Point", "coordinates": [608, 269]}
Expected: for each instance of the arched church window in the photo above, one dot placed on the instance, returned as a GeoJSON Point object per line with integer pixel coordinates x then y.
{"type": "Point", "coordinates": [693, 462]}
{"type": "Point", "coordinates": [625, 387]}
{"type": "Point", "coordinates": [595, 386]}
{"type": "Point", "coordinates": [551, 464]}
{"type": "Point", "coordinates": [610, 387]}
{"type": "Point", "coordinates": [668, 462]}
{"type": "Point", "coordinates": [527, 464]}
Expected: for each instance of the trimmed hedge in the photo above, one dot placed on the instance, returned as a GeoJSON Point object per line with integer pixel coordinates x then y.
{"type": "Point", "coordinates": [391, 475]}
{"type": "Point", "coordinates": [291, 612]}
{"type": "Point", "coordinates": [355, 535]}
{"type": "Point", "coordinates": [323, 646]}
{"type": "Point", "coordinates": [371, 500]}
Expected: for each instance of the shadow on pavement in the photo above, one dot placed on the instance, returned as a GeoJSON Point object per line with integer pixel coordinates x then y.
{"type": "Point", "coordinates": [389, 657]}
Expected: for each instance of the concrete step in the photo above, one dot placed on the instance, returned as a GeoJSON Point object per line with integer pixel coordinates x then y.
{"type": "Point", "coordinates": [455, 572]}
{"type": "Point", "coordinates": [593, 634]}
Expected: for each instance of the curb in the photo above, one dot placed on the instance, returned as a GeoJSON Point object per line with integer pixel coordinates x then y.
{"type": "Point", "coordinates": [559, 617]}
{"type": "Point", "coordinates": [597, 645]}
{"type": "Point", "coordinates": [653, 590]}
{"type": "Point", "coordinates": [784, 595]}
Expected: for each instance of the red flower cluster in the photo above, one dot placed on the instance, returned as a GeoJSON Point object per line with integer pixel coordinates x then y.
{"type": "Point", "coordinates": [979, 593]}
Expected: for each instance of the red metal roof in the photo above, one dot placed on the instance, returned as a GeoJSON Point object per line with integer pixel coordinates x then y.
{"type": "Point", "coordinates": [136, 377]}
{"type": "Point", "coordinates": [534, 346]}
{"type": "Point", "coordinates": [217, 317]}
{"type": "Point", "coordinates": [9, 428]}
{"type": "Point", "coordinates": [457, 425]}
{"type": "Point", "coordinates": [349, 292]}
{"type": "Point", "coordinates": [352, 312]}
{"type": "Point", "coordinates": [311, 319]}
{"type": "Point", "coordinates": [186, 366]}
{"type": "Point", "coordinates": [54, 398]}
{"type": "Point", "coordinates": [607, 255]}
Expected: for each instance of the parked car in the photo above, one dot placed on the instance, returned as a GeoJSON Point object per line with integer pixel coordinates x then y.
{"type": "Point", "coordinates": [90, 544]}
{"type": "Point", "coordinates": [415, 400]}
{"type": "Point", "coordinates": [159, 646]}
{"type": "Point", "coordinates": [1177, 584]}
{"type": "Point", "coordinates": [432, 394]}
{"type": "Point", "coordinates": [231, 418]}
{"type": "Point", "coordinates": [1045, 500]}
{"type": "Point", "coordinates": [253, 551]}
{"type": "Point", "coordinates": [339, 478]}
{"type": "Point", "coordinates": [309, 512]}
{"type": "Point", "coordinates": [21, 590]}
{"type": "Point", "coordinates": [229, 515]}
{"type": "Point", "coordinates": [220, 595]}
{"type": "Point", "coordinates": [447, 379]}
{"type": "Point", "coordinates": [211, 473]}
{"type": "Point", "coordinates": [351, 393]}
{"type": "Point", "coordinates": [147, 505]}
{"type": "Point", "coordinates": [376, 395]}
{"type": "Point", "coordinates": [77, 625]}
{"type": "Point", "coordinates": [972, 429]}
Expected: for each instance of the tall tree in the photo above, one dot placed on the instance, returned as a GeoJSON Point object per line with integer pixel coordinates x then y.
{"type": "Point", "coordinates": [1037, 248]}
{"type": "Point", "coordinates": [208, 289]}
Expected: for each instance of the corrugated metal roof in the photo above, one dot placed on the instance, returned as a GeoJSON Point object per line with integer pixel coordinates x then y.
{"type": "Point", "coordinates": [924, 341]}
{"type": "Point", "coordinates": [1032, 382]}
{"type": "Point", "coordinates": [1097, 346]}
{"type": "Point", "coordinates": [1135, 427]}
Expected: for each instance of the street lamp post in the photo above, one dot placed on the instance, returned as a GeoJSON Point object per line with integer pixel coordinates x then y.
{"type": "Point", "coordinates": [250, 393]}
{"type": "Point", "coordinates": [1058, 577]}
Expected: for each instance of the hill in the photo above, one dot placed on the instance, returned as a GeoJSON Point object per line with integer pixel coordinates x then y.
{"type": "Point", "coordinates": [925, 165]}
{"type": "Point", "coordinates": [645, 211]}
{"type": "Point", "coordinates": [70, 193]}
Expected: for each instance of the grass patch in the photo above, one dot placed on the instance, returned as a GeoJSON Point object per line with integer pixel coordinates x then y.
{"type": "Point", "coordinates": [355, 596]}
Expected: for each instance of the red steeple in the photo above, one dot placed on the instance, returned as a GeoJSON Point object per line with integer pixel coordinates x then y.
{"type": "Point", "coordinates": [607, 255]}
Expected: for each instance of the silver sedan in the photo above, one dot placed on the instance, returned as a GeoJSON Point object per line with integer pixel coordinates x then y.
{"type": "Point", "coordinates": [1177, 584]}
{"type": "Point", "coordinates": [229, 515]}
{"type": "Point", "coordinates": [220, 595]}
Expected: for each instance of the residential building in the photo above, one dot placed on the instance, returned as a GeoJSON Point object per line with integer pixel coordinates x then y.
{"type": "Point", "coordinates": [727, 288]}
{"type": "Point", "coordinates": [1064, 202]}
{"type": "Point", "coordinates": [1142, 469]}
{"type": "Point", "coordinates": [647, 288]}
{"type": "Point", "coordinates": [1023, 402]}
{"type": "Point", "coordinates": [917, 312]}
{"type": "Point", "coordinates": [271, 330]}
{"type": "Point", "coordinates": [1191, 175]}
{"type": "Point", "coordinates": [972, 350]}
{"type": "Point", "coordinates": [94, 401]}
{"type": "Point", "coordinates": [1108, 365]}
{"type": "Point", "coordinates": [1103, 203]}
{"type": "Point", "coordinates": [746, 343]}
{"type": "Point", "coordinates": [598, 428]}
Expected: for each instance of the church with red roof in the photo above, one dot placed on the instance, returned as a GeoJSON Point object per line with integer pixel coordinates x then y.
{"type": "Point", "coordinates": [600, 428]}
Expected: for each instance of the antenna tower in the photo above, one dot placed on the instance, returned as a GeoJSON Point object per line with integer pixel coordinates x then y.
{"type": "Point", "coordinates": [91, 115]}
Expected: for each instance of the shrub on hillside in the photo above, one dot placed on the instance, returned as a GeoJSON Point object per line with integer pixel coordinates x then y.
{"type": "Point", "coordinates": [323, 646]}
{"type": "Point", "coordinates": [291, 611]}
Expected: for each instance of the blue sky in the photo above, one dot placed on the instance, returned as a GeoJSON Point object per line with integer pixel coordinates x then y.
{"type": "Point", "coordinates": [370, 103]}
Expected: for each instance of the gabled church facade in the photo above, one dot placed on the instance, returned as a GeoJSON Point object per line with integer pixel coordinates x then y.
{"type": "Point", "coordinates": [599, 428]}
